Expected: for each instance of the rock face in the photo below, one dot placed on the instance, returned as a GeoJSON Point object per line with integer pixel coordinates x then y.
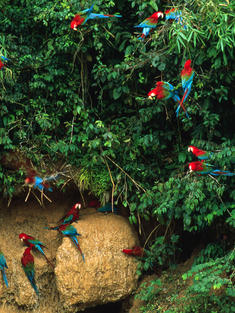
{"type": "Point", "coordinates": [107, 275]}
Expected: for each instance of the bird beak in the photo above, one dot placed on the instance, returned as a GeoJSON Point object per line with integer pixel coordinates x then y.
{"type": "Point", "coordinates": [150, 97]}
{"type": "Point", "coordinates": [189, 149]}
{"type": "Point", "coordinates": [21, 239]}
{"type": "Point", "coordinates": [160, 15]}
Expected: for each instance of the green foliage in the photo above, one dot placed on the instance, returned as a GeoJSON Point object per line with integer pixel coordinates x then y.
{"type": "Point", "coordinates": [81, 98]}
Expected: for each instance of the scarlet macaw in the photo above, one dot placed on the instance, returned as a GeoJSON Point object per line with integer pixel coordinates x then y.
{"type": "Point", "coordinates": [136, 251]}
{"type": "Point", "coordinates": [81, 17]}
{"type": "Point", "coordinates": [27, 262]}
{"type": "Point", "coordinates": [164, 91]}
{"type": "Point", "coordinates": [34, 243]}
{"type": "Point", "coordinates": [187, 75]}
{"type": "Point", "coordinates": [149, 24]}
{"type": "Point", "coordinates": [3, 265]}
{"type": "Point", "coordinates": [200, 154]}
{"type": "Point", "coordinates": [202, 168]}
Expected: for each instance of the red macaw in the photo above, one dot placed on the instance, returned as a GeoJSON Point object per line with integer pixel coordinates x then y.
{"type": "Point", "coordinates": [27, 262]}
{"type": "Point", "coordinates": [164, 91]}
{"type": "Point", "coordinates": [4, 59]}
{"type": "Point", "coordinates": [202, 168]}
{"type": "Point", "coordinates": [34, 243]}
{"type": "Point", "coordinates": [81, 17]}
{"type": "Point", "coordinates": [149, 23]}
{"type": "Point", "coordinates": [136, 251]}
{"type": "Point", "coordinates": [200, 154]}
{"type": "Point", "coordinates": [187, 75]}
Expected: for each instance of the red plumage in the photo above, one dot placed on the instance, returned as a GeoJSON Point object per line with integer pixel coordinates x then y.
{"type": "Point", "coordinates": [196, 166]}
{"type": "Point", "coordinates": [77, 20]}
{"type": "Point", "coordinates": [136, 251]}
{"type": "Point", "coordinates": [27, 257]}
{"type": "Point", "coordinates": [197, 152]}
{"type": "Point", "coordinates": [1, 65]}
{"type": "Point", "coordinates": [158, 91]}
{"type": "Point", "coordinates": [187, 70]}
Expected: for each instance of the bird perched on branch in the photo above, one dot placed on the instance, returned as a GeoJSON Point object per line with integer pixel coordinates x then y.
{"type": "Point", "coordinates": [200, 154]}
{"type": "Point", "coordinates": [82, 17]}
{"type": "Point", "coordinates": [187, 75]}
{"type": "Point", "coordinates": [149, 24]}
{"type": "Point", "coordinates": [201, 168]}
{"type": "Point", "coordinates": [3, 61]}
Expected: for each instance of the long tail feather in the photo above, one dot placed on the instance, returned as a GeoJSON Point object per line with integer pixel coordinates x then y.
{"type": "Point", "coordinates": [181, 105]}
{"type": "Point", "coordinates": [48, 261]}
{"type": "Point", "coordinates": [74, 239]}
{"type": "Point", "coordinates": [4, 277]}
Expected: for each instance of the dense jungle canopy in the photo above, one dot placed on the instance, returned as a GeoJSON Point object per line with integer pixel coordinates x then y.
{"type": "Point", "coordinates": [80, 98]}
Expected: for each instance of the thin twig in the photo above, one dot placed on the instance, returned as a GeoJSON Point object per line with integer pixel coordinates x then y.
{"type": "Point", "coordinates": [151, 234]}
{"type": "Point", "coordinates": [26, 199]}
{"type": "Point", "coordinates": [134, 182]}
{"type": "Point", "coordinates": [111, 177]}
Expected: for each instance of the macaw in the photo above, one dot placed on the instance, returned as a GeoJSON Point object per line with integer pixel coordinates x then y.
{"type": "Point", "coordinates": [174, 14]}
{"type": "Point", "coordinates": [187, 75]}
{"type": "Point", "coordinates": [94, 204]}
{"type": "Point", "coordinates": [34, 243]}
{"type": "Point", "coordinates": [164, 91]}
{"type": "Point", "coordinates": [71, 232]}
{"type": "Point", "coordinates": [107, 208]}
{"type": "Point", "coordinates": [72, 215]}
{"type": "Point", "coordinates": [27, 262]}
{"type": "Point", "coordinates": [202, 168]}
{"type": "Point", "coordinates": [136, 251]}
{"type": "Point", "coordinates": [81, 17]}
{"type": "Point", "coordinates": [149, 24]}
{"type": "Point", "coordinates": [4, 59]}
{"type": "Point", "coordinates": [3, 265]}
{"type": "Point", "coordinates": [200, 154]}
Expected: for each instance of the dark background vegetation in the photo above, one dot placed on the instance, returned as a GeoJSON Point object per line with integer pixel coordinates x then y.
{"type": "Point", "coordinates": [81, 98]}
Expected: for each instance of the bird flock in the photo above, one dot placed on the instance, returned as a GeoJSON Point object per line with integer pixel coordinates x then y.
{"type": "Point", "coordinates": [162, 91]}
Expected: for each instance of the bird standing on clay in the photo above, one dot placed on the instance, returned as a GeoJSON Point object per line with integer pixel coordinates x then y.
{"type": "Point", "coordinates": [27, 262]}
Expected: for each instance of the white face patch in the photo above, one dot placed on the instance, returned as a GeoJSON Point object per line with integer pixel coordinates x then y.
{"type": "Point", "coordinates": [190, 149]}
{"type": "Point", "coordinates": [160, 14]}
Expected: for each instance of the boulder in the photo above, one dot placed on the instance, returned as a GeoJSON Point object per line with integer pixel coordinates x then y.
{"type": "Point", "coordinates": [107, 275]}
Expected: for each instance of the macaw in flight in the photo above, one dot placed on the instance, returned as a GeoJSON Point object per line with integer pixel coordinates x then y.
{"type": "Point", "coordinates": [174, 14]}
{"type": "Point", "coordinates": [136, 251]}
{"type": "Point", "coordinates": [107, 208]}
{"type": "Point", "coordinates": [200, 154]}
{"type": "Point", "coordinates": [71, 232]}
{"type": "Point", "coordinates": [149, 24]}
{"type": "Point", "coordinates": [81, 17]}
{"type": "Point", "coordinates": [164, 91]}
{"type": "Point", "coordinates": [187, 75]}
{"type": "Point", "coordinates": [201, 168]}
{"type": "Point", "coordinates": [34, 243]}
{"type": "Point", "coordinates": [27, 262]}
{"type": "Point", "coordinates": [3, 265]}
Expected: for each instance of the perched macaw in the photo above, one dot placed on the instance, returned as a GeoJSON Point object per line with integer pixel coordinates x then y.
{"type": "Point", "coordinates": [27, 261]}
{"type": "Point", "coordinates": [202, 168]}
{"type": "Point", "coordinates": [187, 75]}
{"type": "Point", "coordinates": [136, 251]}
{"type": "Point", "coordinates": [164, 91]}
{"type": "Point", "coordinates": [107, 208]}
{"type": "Point", "coordinates": [174, 14]}
{"type": "Point", "coordinates": [81, 17]}
{"type": "Point", "coordinates": [3, 265]}
{"type": "Point", "coordinates": [200, 154]}
{"type": "Point", "coordinates": [71, 232]}
{"type": "Point", "coordinates": [94, 204]}
{"type": "Point", "coordinates": [34, 243]}
{"type": "Point", "coordinates": [149, 24]}
{"type": "Point", "coordinates": [72, 215]}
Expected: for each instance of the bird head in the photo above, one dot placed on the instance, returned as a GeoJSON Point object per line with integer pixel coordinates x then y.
{"type": "Point", "coordinates": [29, 180]}
{"type": "Point", "coordinates": [22, 236]}
{"type": "Point", "coordinates": [158, 14]}
{"type": "Point", "coordinates": [191, 148]}
{"type": "Point", "coordinates": [78, 205]}
{"type": "Point", "coordinates": [196, 166]}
